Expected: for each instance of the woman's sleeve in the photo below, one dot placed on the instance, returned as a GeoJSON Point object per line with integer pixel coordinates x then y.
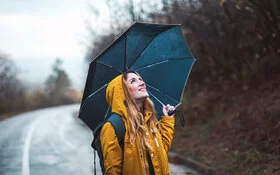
{"type": "Point", "coordinates": [112, 152]}
{"type": "Point", "coordinates": [167, 131]}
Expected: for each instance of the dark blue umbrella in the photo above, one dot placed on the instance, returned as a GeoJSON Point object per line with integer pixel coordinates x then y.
{"type": "Point", "coordinates": [157, 52]}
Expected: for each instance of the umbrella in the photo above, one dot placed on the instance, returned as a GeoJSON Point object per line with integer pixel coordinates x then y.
{"type": "Point", "coordinates": [158, 52]}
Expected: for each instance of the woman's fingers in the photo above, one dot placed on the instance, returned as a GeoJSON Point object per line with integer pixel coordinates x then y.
{"type": "Point", "coordinates": [167, 109]}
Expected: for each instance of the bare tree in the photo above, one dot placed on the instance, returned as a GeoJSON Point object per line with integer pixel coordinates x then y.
{"type": "Point", "coordinates": [11, 88]}
{"type": "Point", "coordinates": [122, 15]}
{"type": "Point", "coordinates": [57, 83]}
{"type": "Point", "coordinates": [234, 39]}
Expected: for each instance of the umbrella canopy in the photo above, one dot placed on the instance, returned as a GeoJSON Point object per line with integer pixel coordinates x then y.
{"type": "Point", "coordinates": [157, 52]}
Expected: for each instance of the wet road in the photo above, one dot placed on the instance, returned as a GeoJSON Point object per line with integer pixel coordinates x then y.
{"type": "Point", "coordinates": [50, 141]}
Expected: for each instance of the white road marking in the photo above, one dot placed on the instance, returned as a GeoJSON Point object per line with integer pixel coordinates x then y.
{"type": "Point", "coordinates": [26, 149]}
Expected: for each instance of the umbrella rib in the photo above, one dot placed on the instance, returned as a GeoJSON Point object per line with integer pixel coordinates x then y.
{"type": "Point", "coordinates": [159, 62]}
{"type": "Point", "coordinates": [187, 79]}
{"type": "Point", "coordinates": [94, 93]}
{"type": "Point", "coordinates": [125, 54]}
{"type": "Point", "coordinates": [161, 92]}
{"type": "Point", "coordinates": [106, 65]}
{"type": "Point", "coordinates": [145, 48]}
{"type": "Point", "coordinates": [112, 44]}
{"type": "Point", "coordinates": [157, 99]}
{"type": "Point", "coordinates": [107, 111]}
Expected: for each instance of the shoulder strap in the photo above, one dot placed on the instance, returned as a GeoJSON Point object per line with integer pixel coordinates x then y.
{"type": "Point", "coordinates": [119, 127]}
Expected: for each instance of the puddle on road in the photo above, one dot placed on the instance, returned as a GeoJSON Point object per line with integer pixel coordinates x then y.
{"type": "Point", "coordinates": [46, 159]}
{"type": "Point", "coordinates": [181, 170]}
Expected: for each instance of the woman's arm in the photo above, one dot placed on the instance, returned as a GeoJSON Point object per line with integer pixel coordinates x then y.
{"type": "Point", "coordinates": [167, 126]}
{"type": "Point", "coordinates": [112, 152]}
{"type": "Point", "coordinates": [167, 131]}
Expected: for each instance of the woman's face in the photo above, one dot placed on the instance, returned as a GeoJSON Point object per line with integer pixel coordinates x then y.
{"type": "Point", "coordinates": [136, 86]}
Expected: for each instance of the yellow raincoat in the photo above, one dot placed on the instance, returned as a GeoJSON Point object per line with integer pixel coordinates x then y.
{"type": "Point", "coordinates": [132, 160]}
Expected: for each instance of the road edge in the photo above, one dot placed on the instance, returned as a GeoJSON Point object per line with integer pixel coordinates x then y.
{"type": "Point", "coordinates": [192, 164]}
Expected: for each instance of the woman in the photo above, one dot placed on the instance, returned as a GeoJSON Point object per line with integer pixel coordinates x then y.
{"type": "Point", "coordinates": [146, 141]}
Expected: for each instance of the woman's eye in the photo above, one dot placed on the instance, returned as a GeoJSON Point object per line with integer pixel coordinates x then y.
{"type": "Point", "coordinates": [132, 81]}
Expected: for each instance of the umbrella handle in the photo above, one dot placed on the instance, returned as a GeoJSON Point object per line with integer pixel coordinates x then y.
{"type": "Point", "coordinates": [170, 113]}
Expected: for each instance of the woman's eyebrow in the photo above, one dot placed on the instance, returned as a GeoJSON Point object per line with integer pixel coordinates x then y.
{"type": "Point", "coordinates": [131, 79]}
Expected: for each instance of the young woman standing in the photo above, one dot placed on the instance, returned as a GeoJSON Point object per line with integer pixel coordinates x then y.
{"type": "Point", "coordinates": [146, 141]}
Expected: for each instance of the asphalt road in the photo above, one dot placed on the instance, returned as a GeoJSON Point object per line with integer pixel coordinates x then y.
{"type": "Point", "coordinates": [50, 142]}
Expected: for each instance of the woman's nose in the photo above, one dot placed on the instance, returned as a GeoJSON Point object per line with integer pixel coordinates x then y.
{"type": "Point", "coordinates": [142, 83]}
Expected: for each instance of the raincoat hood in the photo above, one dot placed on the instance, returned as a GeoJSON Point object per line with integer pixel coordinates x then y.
{"type": "Point", "coordinates": [115, 96]}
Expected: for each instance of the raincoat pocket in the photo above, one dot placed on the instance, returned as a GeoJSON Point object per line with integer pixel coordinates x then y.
{"type": "Point", "coordinates": [130, 150]}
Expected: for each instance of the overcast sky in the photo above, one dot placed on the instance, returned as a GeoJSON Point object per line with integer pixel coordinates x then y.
{"type": "Point", "coordinates": [35, 32]}
{"type": "Point", "coordinates": [48, 28]}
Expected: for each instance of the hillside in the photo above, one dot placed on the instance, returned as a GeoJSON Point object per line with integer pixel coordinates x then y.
{"type": "Point", "coordinates": [233, 130]}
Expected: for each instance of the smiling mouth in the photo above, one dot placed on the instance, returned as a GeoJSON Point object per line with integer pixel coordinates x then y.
{"type": "Point", "coordinates": [142, 89]}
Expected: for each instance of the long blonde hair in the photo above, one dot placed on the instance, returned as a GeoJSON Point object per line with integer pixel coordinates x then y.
{"type": "Point", "coordinates": [136, 118]}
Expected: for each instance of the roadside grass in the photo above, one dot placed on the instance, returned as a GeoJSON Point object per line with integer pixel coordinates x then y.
{"type": "Point", "coordinates": [7, 115]}
{"type": "Point", "coordinates": [195, 143]}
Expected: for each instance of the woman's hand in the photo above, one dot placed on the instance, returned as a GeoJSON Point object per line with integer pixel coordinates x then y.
{"type": "Point", "coordinates": [166, 109]}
